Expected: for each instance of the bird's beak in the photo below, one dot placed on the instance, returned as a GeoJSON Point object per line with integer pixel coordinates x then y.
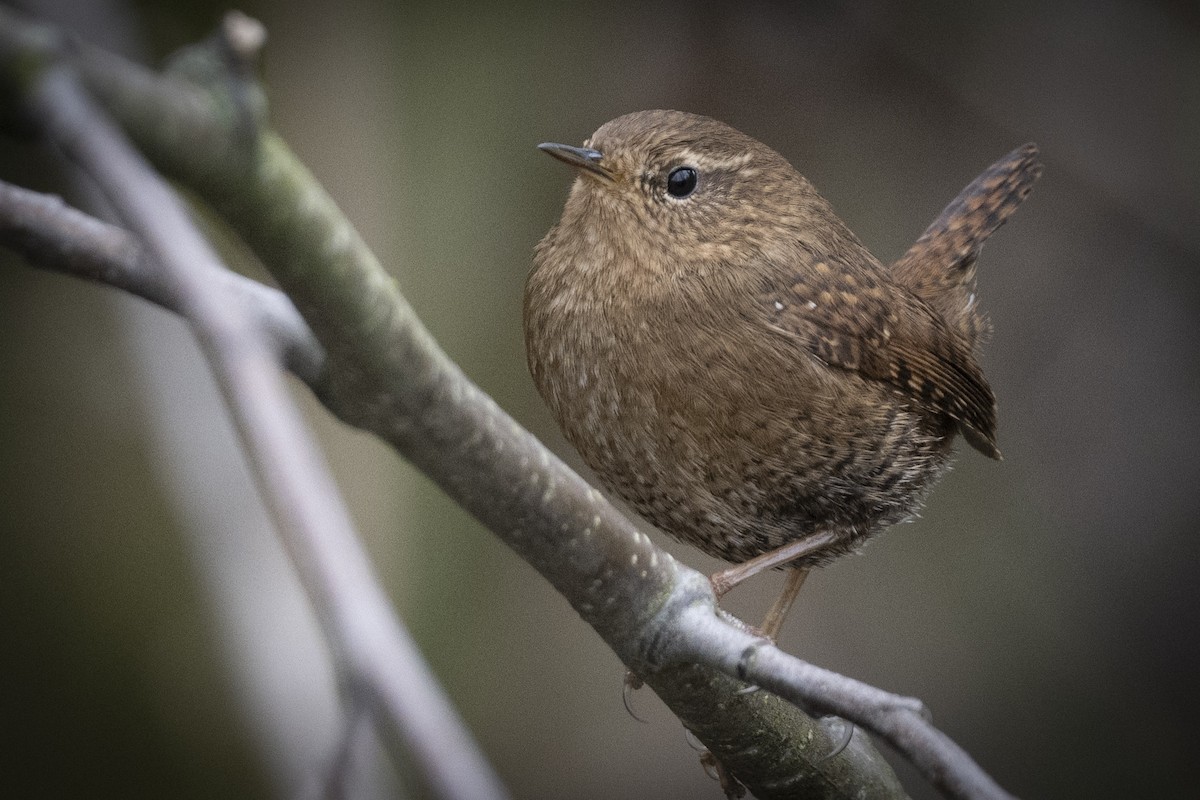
{"type": "Point", "coordinates": [584, 158]}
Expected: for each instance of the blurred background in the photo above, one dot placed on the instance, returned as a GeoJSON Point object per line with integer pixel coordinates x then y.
{"type": "Point", "coordinates": [152, 641]}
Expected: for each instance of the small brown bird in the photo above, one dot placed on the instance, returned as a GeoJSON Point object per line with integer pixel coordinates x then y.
{"type": "Point", "coordinates": [732, 361]}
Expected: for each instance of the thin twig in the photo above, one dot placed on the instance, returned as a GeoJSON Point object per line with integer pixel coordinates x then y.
{"type": "Point", "coordinates": [53, 235]}
{"type": "Point", "coordinates": [903, 721]}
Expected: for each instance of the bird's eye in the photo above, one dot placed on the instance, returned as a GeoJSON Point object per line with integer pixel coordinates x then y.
{"type": "Point", "coordinates": [681, 182]}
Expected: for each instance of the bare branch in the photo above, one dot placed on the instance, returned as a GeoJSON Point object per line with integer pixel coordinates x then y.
{"type": "Point", "coordinates": [903, 721]}
{"type": "Point", "coordinates": [380, 662]}
{"type": "Point", "coordinates": [52, 235]}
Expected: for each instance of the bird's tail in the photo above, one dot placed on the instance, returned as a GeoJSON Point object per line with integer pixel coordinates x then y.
{"type": "Point", "coordinates": [940, 267]}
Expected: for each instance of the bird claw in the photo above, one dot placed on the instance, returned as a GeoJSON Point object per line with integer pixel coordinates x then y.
{"type": "Point", "coordinates": [630, 685]}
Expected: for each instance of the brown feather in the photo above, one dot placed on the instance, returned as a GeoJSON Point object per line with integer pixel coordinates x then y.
{"type": "Point", "coordinates": [857, 319]}
{"type": "Point", "coordinates": [940, 267]}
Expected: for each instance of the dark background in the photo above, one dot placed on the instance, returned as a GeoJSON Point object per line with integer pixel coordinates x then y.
{"type": "Point", "coordinates": [151, 639]}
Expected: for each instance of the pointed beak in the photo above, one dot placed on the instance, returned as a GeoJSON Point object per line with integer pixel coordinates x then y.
{"type": "Point", "coordinates": [584, 158]}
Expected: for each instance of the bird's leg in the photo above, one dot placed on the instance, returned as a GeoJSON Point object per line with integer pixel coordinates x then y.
{"type": "Point", "coordinates": [726, 579]}
{"type": "Point", "coordinates": [779, 611]}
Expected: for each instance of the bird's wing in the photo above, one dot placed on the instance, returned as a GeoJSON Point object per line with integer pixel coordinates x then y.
{"type": "Point", "coordinates": [859, 320]}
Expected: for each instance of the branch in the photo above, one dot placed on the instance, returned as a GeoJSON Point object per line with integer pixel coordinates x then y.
{"type": "Point", "coordinates": [384, 373]}
{"type": "Point", "coordinates": [52, 235]}
{"type": "Point", "coordinates": [379, 661]}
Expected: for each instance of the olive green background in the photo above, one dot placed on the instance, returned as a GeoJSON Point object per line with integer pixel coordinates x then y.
{"type": "Point", "coordinates": [1045, 607]}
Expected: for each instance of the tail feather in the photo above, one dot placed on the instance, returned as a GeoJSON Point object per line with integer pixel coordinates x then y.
{"type": "Point", "coordinates": [940, 267]}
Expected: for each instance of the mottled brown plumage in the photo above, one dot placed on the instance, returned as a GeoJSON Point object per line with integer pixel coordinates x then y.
{"type": "Point", "coordinates": [733, 362]}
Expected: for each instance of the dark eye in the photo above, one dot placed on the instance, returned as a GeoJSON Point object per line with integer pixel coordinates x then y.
{"type": "Point", "coordinates": [681, 182]}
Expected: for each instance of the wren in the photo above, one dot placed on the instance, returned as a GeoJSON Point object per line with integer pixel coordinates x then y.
{"type": "Point", "coordinates": [731, 361]}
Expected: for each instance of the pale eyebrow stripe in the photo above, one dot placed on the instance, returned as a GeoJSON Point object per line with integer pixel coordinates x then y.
{"type": "Point", "coordinates": [734, 162]}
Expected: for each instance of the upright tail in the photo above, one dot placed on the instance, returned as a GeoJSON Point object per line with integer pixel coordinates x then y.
{"type": "Point", "coordinates": [940, 267]}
